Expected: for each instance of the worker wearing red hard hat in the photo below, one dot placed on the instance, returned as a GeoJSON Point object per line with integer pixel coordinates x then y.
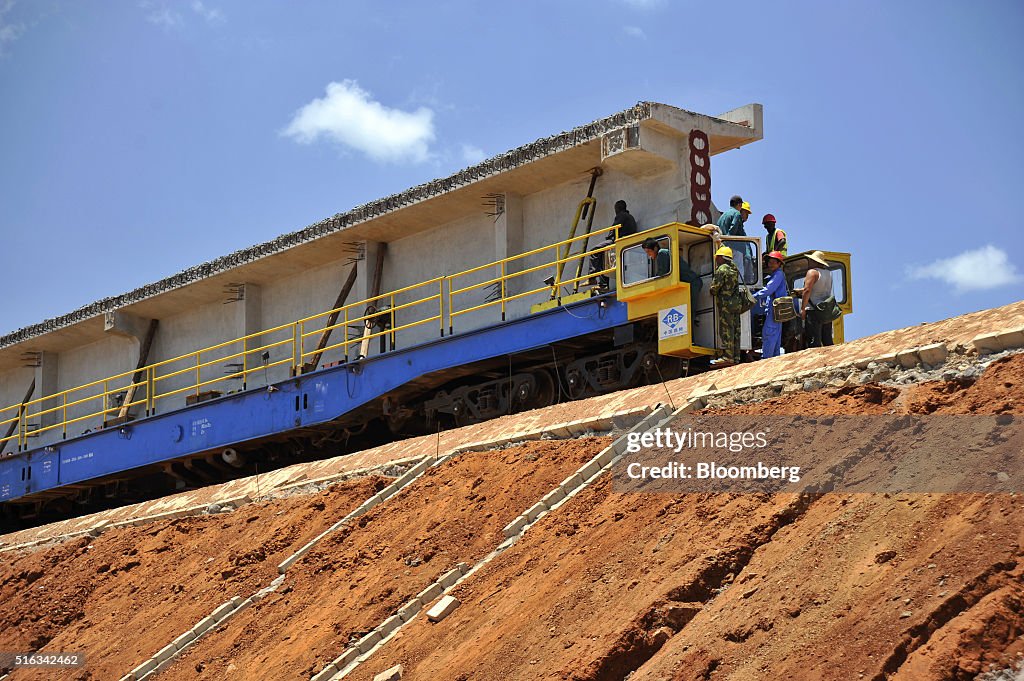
{"type": "Point", "coordinates": [776, 239]}
{"type": "Point", "coordinates": [771, 332]}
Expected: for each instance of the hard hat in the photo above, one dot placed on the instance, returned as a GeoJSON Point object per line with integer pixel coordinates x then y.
{"type": "Point", "coordinates": [724, 251]}
{"type": "Point", "coordinates": [768, 218]}
{"type": "Point", "coordinates": [745, 206]}
{"type": "Point", "coordinates": [778, 256]}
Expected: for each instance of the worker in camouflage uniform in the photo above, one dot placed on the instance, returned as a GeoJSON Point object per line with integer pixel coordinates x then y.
{"type": "Point", "coordinates": [725, 287]}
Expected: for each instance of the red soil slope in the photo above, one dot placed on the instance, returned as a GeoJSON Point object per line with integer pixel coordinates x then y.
{"type": "Point", "coordinates": [649, 586]}
{"type": "Point", "coordinates": [125, 595]}
{"type": "Point", "coordinates": [751, 587]}
{"type": "Point", "coordinates": [362, 574]}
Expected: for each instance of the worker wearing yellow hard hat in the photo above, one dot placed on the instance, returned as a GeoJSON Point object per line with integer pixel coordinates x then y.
{"type": "Point", "coordinates": [725, 288]}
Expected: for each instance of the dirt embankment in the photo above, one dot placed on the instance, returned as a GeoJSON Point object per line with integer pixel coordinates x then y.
{"type": "Point", "coordinates": [682, 587]}
{"type": "Point", "coordinates": [123, 596]}
{"type": "Point", "coordinates": [363, 573]}
{"type": "Point", "coordinates": [649, 586]}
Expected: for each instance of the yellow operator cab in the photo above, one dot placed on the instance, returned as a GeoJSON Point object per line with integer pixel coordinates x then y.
{"type": "Point", "coordinates": [687, 324]}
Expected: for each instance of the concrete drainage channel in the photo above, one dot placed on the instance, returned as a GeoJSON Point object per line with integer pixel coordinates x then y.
{"type": "Point", "coordinates": [354, 656]}
{"type": "Point", "coordinates": [227, 610]}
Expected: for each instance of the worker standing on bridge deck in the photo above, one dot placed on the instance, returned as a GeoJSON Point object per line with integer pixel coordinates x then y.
{"type": "Point", "coordinates": [627, 227]}
{"type": "Point", "coordinates": [623, 218]}
{"type": "Point", "coordinates": [731, 221]}
{"type": "Point", "coordinates": [771, 332]}
{"type": "Point", "coordinates": [725, 287]}
{"type": "Point", "coordinates": [776, 239]}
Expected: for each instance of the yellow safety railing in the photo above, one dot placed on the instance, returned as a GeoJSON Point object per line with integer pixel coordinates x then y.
{"type": "Point", "coordinates": [295, 344]}
{"type": "Point", "coordinates": [504, 276]}
{"type": "Point", "coordinates": [384, 317]}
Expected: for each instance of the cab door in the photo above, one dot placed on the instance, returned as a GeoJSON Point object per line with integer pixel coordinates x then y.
{"type": "Point", "coordinates": [746, 255]}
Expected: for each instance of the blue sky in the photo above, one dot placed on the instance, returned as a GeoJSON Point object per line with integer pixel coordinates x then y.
{"type": "Point", "coordinates": [140, 138]}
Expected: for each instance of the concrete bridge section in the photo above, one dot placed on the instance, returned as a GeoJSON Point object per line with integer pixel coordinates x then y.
{"type": "Point", "coordinates": [509, 204]}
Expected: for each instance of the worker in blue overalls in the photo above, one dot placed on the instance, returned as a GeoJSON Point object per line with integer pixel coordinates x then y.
{"type": "Point", "coordinates": [771, 332]}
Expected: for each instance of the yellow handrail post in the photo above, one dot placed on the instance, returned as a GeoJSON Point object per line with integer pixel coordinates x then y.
{"type": "Point", "coordinates": [22, 428]}
{"type": "Point", "coordinates": [198, 372]}
{"type": "Point", "coordinates": [295, 348]}
{"type": "Point", "coordinates": [64, 415]}
{"type": "Point", "coordinates": [440, 304]}
{"type": "Point", "coordinates": [245, 361]}
{"type": "Point", "coordinates": [150, 387]}
{"type": "Point", "coordinates": [451, 327]}
{"type": "Point", "coordinates": [503, 290]}
{"type": "Point", "coordinates": [392, 322]}
{"type": "Point", "coordinates": [558, 270]}
{"type": "Point", "coordinates": [302, 344]}
{"type": "Point", "coordinates": [345, 349]}
{"type": "Point", "coordinates": [103, 403]}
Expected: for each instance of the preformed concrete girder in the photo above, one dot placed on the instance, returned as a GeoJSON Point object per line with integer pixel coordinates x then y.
{"type": "Point", "coordinates": [121, 323]}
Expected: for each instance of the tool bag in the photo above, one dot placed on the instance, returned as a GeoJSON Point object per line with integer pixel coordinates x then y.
{"type": "Point", "coordinates": [783, 309]}
{"type": "Point", "coordinates": [747, 299]}
{"type": "Point", "coordinates": [826, 311]}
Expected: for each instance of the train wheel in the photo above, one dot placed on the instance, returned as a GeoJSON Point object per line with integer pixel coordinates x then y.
{"type": "Point", "coordinates": [544, 393]}
{"type": "Point", "coordinates": [575, 383]}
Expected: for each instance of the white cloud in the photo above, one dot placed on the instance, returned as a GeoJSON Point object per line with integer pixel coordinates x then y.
{"type": "Point", "coordinates": [984, 268]}
{"type": "Point", "coordinates": [162, 16]}
{"type": "Point", "coordinates": [167, 16]}
{"type": "Point", "coordinates": [211, 14]}
{"type": "Point", "coordinates": [347, 115]}
{"type": "Point", "coordinates": [472, 154]}
{"type": "Point", "coordinates": [8, 32]}
{"type": "Point", "coordinates": [635, 32]}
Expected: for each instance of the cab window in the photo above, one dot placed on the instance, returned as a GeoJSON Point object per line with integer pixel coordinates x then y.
{"type": "Point", "coordinates": [637, 267]}
{"type": "Point", "coordinates": [744, 256]}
